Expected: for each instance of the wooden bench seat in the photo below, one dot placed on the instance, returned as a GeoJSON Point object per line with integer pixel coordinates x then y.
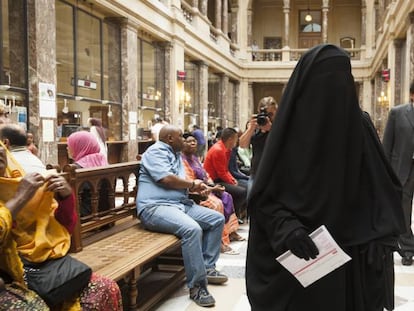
{"type": "Point", "coordinates": [112, 241]}
{"type": "Point", "coordinates": [132, 254]}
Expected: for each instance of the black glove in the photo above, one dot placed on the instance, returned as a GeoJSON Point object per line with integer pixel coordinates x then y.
{"type": "Point", "coordinates": [301, 245]}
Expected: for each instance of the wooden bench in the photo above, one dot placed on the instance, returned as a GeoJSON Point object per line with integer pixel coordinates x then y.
{"type": "Point", "coordinates": [113, 242]}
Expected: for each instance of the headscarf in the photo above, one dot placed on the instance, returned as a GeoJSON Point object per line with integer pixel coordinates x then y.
{"type": "Point", "coordinates": [85, 149]}
{"type": "Point", "coordinates": [322, 163]}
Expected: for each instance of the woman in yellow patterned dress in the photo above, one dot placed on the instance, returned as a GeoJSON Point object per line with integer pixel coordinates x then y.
{"type": "Point", "coordinates": [14, 294]}
{"type": "Point", "coordinates": [38, 227]}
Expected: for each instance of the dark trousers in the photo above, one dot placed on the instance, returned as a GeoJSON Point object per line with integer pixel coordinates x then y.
{"type": "Point", "coordinates": [406, 240]}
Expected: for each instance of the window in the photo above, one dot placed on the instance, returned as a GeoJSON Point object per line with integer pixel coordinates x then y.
{"type": "Point", "coordinates": [13, 61]}
{"type": "Point", "coordinates": [151, 78]}
{"type": "Point", "coordinates": [88, 58]}
{"type": "Point", "coordinates": [13, 52]}
{"type": "Point", "coordinates": [314, 25]}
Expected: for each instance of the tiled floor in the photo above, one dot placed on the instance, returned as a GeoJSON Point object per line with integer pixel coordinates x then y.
{"type": "Point", "coordinates": [232, 295]}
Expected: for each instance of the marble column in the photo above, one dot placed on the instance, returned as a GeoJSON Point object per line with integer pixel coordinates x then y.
{"type": "Point", "coordinates": [41, 15]}
{"type": "Point", "coordinates": [167, 78]}
{"type": "Point", "coordinates": [202, 86]}
{"type": "Point", "coordinates": [249, 27]}
{"type": "Point", "coordinates": [379, 111]}
{"type": "Point", "coordinates": [286, 11]}
{"type": "Point", "coordinates": [234, 23]}
{"type": "Point", "coordinates": [225, 24]}
{"type": "Point", "coordinates": [237, 103]}
{"type": "Point", "coordinates": [365, 96]}
{"type": "Point", "coordinates": [363, 21]}
{"type": "Point", "coordinates": [223, 97]}
{"type": "Point", "coordinates": [396, 73]}
{"type": "Point", "coordinates": [325, 10]}
{"type": "Point", "coordinates": [114, 80]}
{"type": "Point", "coordinates": [250, 104]}
{"type": "Point", "coordinates": [369, 29]}
{"type": "Point", "coordinates": [243, 103]}
{"type": "Point", "coordinates": [377, 20]}
{"type": "Point", "coordinates": [410, 47]}
{"type": "Point", "coordinates": [129, 79]}
{"type": "Point", "coordinates": [218, 15]}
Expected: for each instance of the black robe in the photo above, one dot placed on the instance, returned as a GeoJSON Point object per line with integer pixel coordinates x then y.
{"type": "Point", "coordinates": [324, 165]}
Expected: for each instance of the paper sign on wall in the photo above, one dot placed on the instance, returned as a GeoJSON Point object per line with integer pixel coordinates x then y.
{"type": "Point", "coordinates": [47, 100]}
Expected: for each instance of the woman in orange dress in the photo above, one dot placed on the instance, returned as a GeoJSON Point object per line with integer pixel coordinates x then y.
{"type": "Point", "coordinates": [218, 199]}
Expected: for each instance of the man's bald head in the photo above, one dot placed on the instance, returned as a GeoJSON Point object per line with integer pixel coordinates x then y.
{"type": "Point", "coordinates": [13, 135]}
{"type": "Point", "coordinates": [167, 130]}
{"type": "Point", "coordinates": [171, 135]}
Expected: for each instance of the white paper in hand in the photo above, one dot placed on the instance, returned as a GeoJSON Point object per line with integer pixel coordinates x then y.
{"type": "Point", "coordinates": [330, 257]}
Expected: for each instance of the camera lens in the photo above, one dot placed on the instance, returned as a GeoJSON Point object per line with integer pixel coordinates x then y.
{"type": "Point", "coordinates": [261, 120]}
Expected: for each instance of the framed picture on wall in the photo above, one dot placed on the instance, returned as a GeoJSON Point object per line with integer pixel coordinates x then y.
{"type": "Point", "coordinates": [272, 42]}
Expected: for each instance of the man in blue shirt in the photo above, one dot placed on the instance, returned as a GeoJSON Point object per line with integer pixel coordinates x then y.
{"type": "Point", "coordinates": [163, 205]}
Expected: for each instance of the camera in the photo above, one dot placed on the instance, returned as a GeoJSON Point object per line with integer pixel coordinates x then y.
{"type": "Point", "coordinates": [262, 116]}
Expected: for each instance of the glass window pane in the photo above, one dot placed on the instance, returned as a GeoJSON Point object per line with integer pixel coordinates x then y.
{"type": "Point", "coordinates": [13, 50]}
{"type": "Point", "coordinates": [190, 105]}
{"type": "Point", "coordinates": [64, 48]}
{"type": "Point", "coordinates": [89, 55]}
{"type": "Point", "coordinates": [139, 75]}
{"type": "Point", "coordinates": [148, 75]}
{"type": "Point", "coordinates": [159, 80]}
{"type": "Point", "coordinates": [213, 95]}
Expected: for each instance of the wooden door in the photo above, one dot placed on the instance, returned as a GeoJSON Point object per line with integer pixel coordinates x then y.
{"type": "Point", "coordinates": [308, 40]}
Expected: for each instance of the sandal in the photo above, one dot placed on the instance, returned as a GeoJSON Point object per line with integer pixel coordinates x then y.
{"type": "Point", "coordinates": [225, 249]}
{"type": "Point", "coordinates": [231, 252]}
{"type": "Point", "coordinates": [234, 236]}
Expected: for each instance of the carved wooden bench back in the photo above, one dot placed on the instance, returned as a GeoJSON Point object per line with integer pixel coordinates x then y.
{"type": "Point", "coordinates": [112, 200]}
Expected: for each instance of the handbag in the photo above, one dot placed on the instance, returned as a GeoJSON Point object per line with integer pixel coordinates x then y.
{"type": "Point", "coordinates": [57, 280]}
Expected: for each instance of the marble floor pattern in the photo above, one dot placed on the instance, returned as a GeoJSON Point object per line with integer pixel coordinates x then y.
{"type": "Point", "coordinates": [232, 295]}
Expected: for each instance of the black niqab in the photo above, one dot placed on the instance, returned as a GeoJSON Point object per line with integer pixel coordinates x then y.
{"type": "Point", "coordinates": [322, 165]}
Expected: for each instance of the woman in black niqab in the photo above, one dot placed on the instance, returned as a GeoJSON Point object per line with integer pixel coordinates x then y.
{"type": "Point", "coordinates": [323, 165]}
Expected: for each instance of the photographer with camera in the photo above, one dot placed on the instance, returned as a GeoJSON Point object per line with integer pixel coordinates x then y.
{"type": "Point", "coordinates": [257, 131]}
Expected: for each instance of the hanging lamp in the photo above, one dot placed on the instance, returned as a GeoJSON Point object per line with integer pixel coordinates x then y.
{"type": "Point", "coordinates": [308, 17]}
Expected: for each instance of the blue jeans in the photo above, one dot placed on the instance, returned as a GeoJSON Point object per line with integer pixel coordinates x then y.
{"type": "Point", "coordinates": [200, 230]}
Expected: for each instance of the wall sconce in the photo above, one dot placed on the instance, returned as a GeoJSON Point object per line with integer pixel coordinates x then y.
{"type": "Point", "coordinates": [383, 100]}
{"type": "Point", "coordinates": [157, 95]}
{"type": "Point", "coordinates": [185, 101]}
{"type": "Point", "coordinates": [109, 111]}
{"type": "Point", "coordinates": [65, 106]}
